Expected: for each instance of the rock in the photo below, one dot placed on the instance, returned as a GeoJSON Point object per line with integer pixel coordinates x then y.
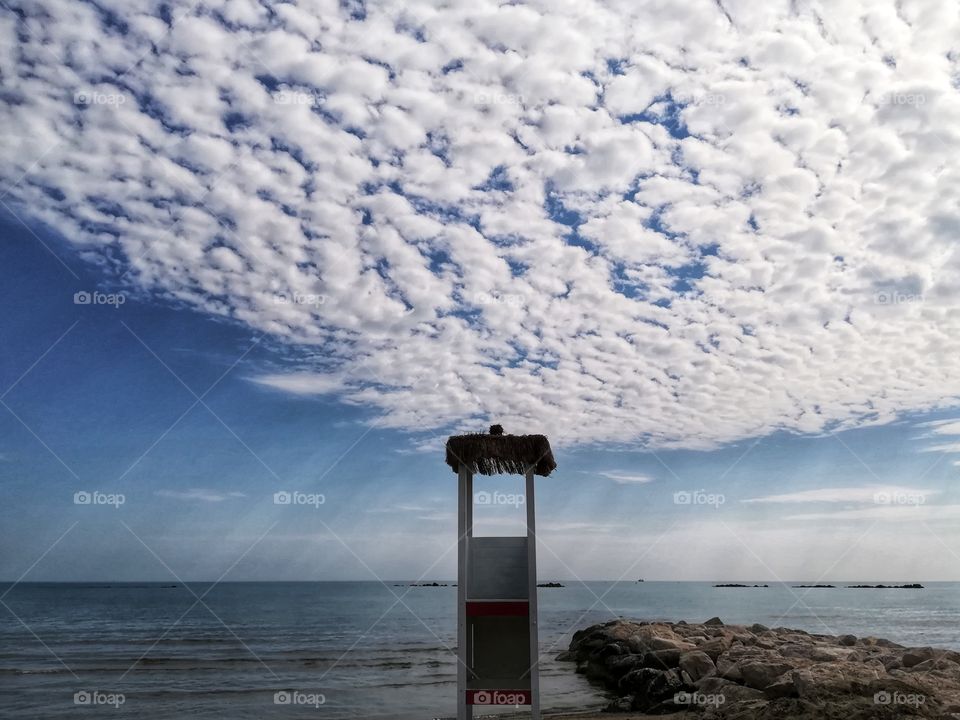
{"type": "Point", "coordinates": [917, 656]}
{"type": "Point", "coordinates": [661, 687]}
{"type": "Point", "coordinates": [937, 663]}
{"type": "Point", "coordinates": [822, 681]}
{"type": "Point", "coordinates": [645, 638]}
{"type": "Point", "coordinates": [793, 650]}
{"type": "Point", "coordinates": [764, 674]}
{"type": "Point", "coordinates": [713, 622]}
{"type": "Point", "coordinates": [731, 691]}
{"type": "Point", "coordinates": [759, 675]}
{"type": "Point", "coordinates": [781, 688]}
{"type": "Point", "coordinates": [611, 649]}
{"type": "Point", "coordinates": [637, 681]}
{"type": "Point", "coordinates": [729, 668]}
{"type": "Point", "coordinates": [891, 662]}
{"type": "Point", "coordinates": [715, 647]}
{"type": "Point", "coordinates": [619, 665]}
{"type": "Point", "coordinates": [697, 665]}
{"type": "Point", "coordinates": [662, 659]}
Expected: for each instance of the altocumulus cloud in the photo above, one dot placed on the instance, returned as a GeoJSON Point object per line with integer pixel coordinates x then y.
{"type": "Point", "coordinates": [678, 224]}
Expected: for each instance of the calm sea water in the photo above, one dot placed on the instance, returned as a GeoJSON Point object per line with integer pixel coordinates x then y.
{"type": "Point", "coordinates": [368, 654]}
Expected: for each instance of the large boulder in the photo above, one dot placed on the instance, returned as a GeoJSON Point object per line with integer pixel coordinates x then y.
{"type": "Point", "coordinates": [715, 647]}
{"type": "Point", "coordinates": [660, 689]}
{"type": "Point", "coordinates": [917, 656]}
{"type": "Point", "coordinates": [758, 674]}
{"type": "Point", "coordinates": [697, 665]}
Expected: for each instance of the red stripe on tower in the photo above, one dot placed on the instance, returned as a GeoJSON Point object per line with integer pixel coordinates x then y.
{"type": "Point", "coordinates": [513, 608]}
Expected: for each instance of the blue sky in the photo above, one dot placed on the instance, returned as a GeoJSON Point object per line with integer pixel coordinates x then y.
{"type": "Point", "coordinates": [711, 252]}
{"type": "Point", "coordinates": [112, 407]}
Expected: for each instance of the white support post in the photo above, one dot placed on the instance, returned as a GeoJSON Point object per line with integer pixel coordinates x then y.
{"type": "Point", "coordinates": [465, 532]}
{"type": "Point", "coordinates": [532, 570]}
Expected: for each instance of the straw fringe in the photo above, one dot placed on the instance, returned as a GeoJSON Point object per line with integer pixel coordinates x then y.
{"type": "Point", "coordinates": [501, 454]}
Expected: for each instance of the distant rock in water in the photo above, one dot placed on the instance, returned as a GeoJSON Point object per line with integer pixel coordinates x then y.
{"type": "Point", "coordinates": [428, 584]}
{"type": "Point", "coordinates": [549, 584]}
{"type": "Point", "coordinates": [738, 585]}
{"type": "Point", "coordinates": [910, 586]}
{"type": "Point", "coordinates": [814, 586]}
{"type": "Point", "coordinates": [736, 672]}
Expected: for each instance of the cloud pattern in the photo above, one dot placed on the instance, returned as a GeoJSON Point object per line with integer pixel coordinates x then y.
{"type": "Point", "coordinates": [665, 224]}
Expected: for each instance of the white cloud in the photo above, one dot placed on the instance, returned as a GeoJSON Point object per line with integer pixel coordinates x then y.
{"type": "Point", "coordinates": [890, 513]}
{"type": "Point", "coordinates": [847, 495]}
{"type": "Point", "coordinates": [300, 383]}
{"type": "Point", "coordinates": [407, 181]}
{"type": "Point", "coordinates": [201, 494]}
{"type": "Point", "coordinates": [625, 478]}
{"type": "Point", "coordinates": [946, 426]}
{"type": "Point", "coordinates": [401, 508]}
{"type": "Point", "coordinates": [438, 517]}
{"type": "Point", "coordinates": [949, 427]}
{"type": "Point", "coordinates": [945, 448]}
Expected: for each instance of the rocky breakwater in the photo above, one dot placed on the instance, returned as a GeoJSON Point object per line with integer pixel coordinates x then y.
{"type": "Point", "coordinates": [737, 672]}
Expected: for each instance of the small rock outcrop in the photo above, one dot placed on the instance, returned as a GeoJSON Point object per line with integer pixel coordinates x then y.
{"type": "Point", "coordinates": [736, 672]}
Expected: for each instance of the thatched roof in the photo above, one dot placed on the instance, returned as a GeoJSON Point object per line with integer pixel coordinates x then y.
{"type": "Point", "coordinates": [496, 453]}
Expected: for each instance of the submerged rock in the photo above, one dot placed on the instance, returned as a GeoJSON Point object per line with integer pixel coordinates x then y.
{"type": "Point", "coordinates": [736, 672]}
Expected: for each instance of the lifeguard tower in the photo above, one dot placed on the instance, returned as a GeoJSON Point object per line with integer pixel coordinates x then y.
{"type": "Point", "coordinates": [498, 656]}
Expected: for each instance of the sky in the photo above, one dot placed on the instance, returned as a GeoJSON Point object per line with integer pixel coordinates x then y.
{"type": "Point", "coordinates": [252, 249]}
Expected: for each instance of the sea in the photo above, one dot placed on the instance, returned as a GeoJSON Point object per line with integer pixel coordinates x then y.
{"type": "Point", "coordinates": [336, 650]}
